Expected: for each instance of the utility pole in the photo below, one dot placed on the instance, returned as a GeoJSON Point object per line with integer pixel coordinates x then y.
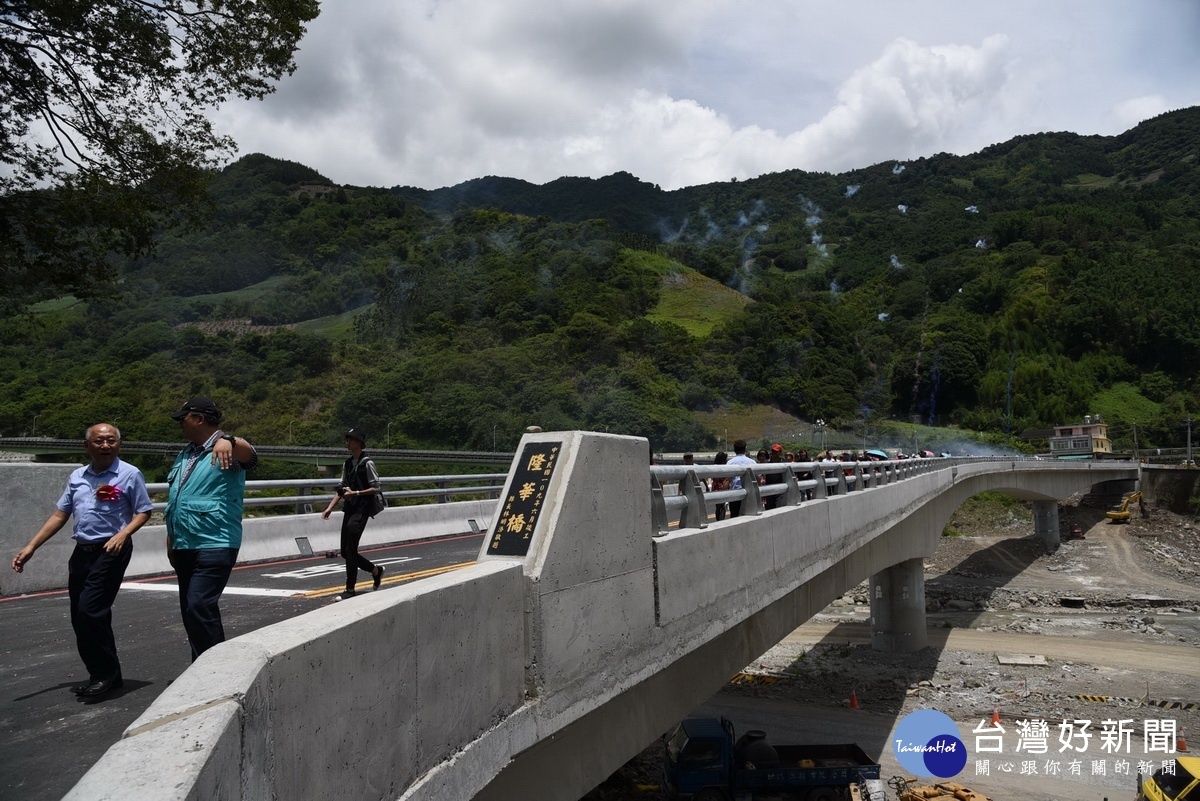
{"type": "Point", "coordinates": [1135, 442]}
{"type": "Point", "coordinates": [1012, 365]}
{"type": "Point", "coordinates": [1189, 424]}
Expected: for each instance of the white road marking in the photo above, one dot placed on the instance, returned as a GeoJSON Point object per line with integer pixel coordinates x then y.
{"type": "Point", "coordinates": [162, 587]}
{"type": "Point", "coordinates": [312, 571]}
{"type": "Point", "coordinates": [338, 567]}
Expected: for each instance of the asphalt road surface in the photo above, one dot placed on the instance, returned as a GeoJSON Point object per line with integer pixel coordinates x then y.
{"type": "Point", "coordinates": [51, 737]}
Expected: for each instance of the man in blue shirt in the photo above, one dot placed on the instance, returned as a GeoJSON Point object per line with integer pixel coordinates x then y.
{"type": "Point", "coordinates": [109, 501]}
{"type": "Point", "coordinates": [204, 517]}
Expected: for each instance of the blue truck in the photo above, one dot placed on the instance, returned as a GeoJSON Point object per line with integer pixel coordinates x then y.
{"type": "Point", "coordinates": [704, 761]}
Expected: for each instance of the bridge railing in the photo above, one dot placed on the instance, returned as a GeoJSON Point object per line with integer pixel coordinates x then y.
{"type": "Point", "coordinates": [680, 491]}
{"type": "Point", "coordinates": [445, 487]}
{"type": "Point", "coordinates": [296, 453]}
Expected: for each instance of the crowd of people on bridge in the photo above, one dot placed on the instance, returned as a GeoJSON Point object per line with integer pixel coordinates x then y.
{"type": "Point", "coordinates": [775, 454]}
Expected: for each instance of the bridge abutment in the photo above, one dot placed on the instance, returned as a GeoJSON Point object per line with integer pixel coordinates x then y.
{"type": "Point", "coordinates": [898, 608]}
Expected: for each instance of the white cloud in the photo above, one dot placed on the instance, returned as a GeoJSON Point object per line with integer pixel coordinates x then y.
{"type": "Point", "coordinates": [911, 101]}
{"type": "Point", "coordinates": [1136, 109]}
{"type": "Point", "coordinates": [680, 92]}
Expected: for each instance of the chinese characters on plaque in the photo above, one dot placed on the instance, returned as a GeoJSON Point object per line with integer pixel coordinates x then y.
{"type": "Point", "coordinates": [1035, 741]}
{"type": "Point", "coordinates": [523, 499]}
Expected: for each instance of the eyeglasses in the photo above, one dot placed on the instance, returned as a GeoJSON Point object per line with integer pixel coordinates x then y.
{"type": "Point", "coordinates": [104, 440]}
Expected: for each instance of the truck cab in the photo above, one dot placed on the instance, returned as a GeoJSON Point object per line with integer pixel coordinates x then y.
{"type": "Point", "coordinates": [703, 761]}
{"type": "Point", "coordinates": [698, 758]}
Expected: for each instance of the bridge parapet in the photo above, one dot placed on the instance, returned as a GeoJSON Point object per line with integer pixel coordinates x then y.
{"type": "Point", "coordinates": [351, 700]}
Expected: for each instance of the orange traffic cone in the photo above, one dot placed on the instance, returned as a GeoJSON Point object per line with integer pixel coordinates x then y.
{"type": "Point", "coordinates": [1180, 743]}
{"type": "Point", "coordinates": [854, 700]}
{"type": "Point", "coordinates": [996, 716]}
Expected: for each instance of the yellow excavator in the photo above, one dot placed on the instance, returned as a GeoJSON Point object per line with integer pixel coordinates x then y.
{"type": "Point", "coordinates": [913, 790]}
{"type": "Point", "coordinates": [1180, 784]}
{"type": "Point", "coordinates": [1122, 514]}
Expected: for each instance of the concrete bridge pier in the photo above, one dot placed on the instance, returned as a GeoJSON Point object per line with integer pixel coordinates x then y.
{"type": "Point", "coordinates": [898, 608]}
{"type": "Point", "coordinates": [1045, 524]}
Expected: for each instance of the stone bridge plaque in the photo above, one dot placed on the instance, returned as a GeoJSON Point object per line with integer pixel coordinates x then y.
{"type": "Point", "coordinates": [523, 499]}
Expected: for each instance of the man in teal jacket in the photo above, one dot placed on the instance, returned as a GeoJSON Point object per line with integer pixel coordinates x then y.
{"type": "Point", "coordinates": [204, 517]}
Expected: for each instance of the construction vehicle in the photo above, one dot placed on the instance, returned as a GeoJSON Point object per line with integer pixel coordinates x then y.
{"type": "Point", "coordinates": [912, 790]}
{"type": "Point", "coordinates": [703, 761]}
{"type": "Point", "coordinates": [1181, 785]}
{"type": "Point", "coordinates": [1122, 514]}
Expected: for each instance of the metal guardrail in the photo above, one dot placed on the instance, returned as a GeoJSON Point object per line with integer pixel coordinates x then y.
{"type": "Point", "coordinates": [796, 483]}
{"type": "Point", "coordinates": [445, 487]}
{"type": "Point", "coordinates": [330, 455]}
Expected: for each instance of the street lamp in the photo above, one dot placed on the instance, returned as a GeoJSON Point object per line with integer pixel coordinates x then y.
{"type": "Point", "coordinates": [494, 437]}
{"type": "Point", "coordinates": [35, 417]}
{"type": "Point", "coordinates": [290, 432]}
{"type": "Point", "coordinates": [388, 441]}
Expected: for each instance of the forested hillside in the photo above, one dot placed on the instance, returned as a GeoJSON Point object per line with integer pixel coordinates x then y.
{"type": "Point", "coordinates": [1026, 285]}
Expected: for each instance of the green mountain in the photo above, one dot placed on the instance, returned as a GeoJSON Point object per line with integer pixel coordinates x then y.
{"type": "Point", "coordinates": [1019, 287]}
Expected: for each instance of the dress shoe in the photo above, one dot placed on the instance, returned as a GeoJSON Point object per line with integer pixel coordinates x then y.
{"type": "Point", "coordinates": [79, 688]}
{"type": "Point", "coordinates": [98, 688]}
{"type": "Point", "coordinates": [377, 577]}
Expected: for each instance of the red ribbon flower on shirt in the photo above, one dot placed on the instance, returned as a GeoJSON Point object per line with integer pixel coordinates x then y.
{"type": "Point", "coordinates": [107, 492]}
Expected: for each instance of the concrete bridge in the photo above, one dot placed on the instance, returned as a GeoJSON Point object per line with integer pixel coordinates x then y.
{"type": "Point", "coordinates": [587, 628]}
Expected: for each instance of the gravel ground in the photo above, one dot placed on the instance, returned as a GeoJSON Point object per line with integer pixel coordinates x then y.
{"type": "Point", "coordinates": [1117, 611]}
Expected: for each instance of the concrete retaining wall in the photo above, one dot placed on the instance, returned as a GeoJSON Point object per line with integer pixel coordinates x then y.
{"type": "Point", "coordinates": [32, 490]}
{"type": "Point", "coordinates": [1171, 488]}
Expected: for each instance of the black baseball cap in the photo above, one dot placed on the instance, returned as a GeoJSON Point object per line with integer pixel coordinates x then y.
{"type": "Point", "coordinates": [197, 405]}
{"type": "Point", "coordinates": [358, 434]}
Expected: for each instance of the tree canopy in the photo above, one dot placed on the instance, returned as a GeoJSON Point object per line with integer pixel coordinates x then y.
{"type": "Point", "coordinates": [104, 138]}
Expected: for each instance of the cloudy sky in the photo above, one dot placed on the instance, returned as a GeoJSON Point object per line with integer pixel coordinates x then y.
{"type": "Point", "coordinates": [430, 93]}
